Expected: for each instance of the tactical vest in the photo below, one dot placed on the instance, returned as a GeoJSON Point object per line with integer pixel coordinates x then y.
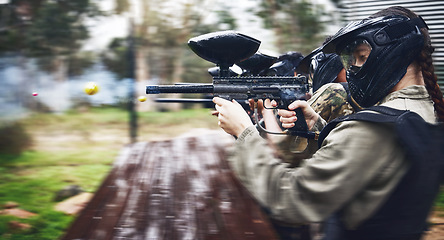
{"type": "Point", "coordinates": [404, 215]}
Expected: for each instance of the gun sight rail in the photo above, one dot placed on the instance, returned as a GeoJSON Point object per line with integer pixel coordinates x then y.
{"type": "Point", "coordinates": [194, 88]}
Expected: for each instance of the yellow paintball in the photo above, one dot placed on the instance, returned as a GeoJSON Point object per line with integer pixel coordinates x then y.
{"type": "Point", "coordinates": [91, 88]}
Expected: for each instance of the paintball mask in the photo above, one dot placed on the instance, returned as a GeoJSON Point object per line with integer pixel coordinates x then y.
{"type": "Point", "coordinates": [376, 53]}
{"type": "Point", "coordinates": [324, 68]}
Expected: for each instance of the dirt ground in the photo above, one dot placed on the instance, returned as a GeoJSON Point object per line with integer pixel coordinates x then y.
{"type": "Point", "coordinates": [437, 229]}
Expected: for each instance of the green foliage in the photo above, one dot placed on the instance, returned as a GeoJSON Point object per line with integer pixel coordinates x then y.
{"type": "Point", "coordinates": [228, 19]}
{"type": "Point", "coordinates": [161, 38]}
{"type": "Point", "coordinates": [116, 58]}
{"type": "Point", "coordinates": [440, 199]}
{"type": "Point", "coordinates": [14, 139]}
{"type": "Point", "coordinates": [54, 31]}
{"type": "Point", "coordinates": [78, 63]}
{"type": "Point", "coordinates": [296, 23]}
{"type": "Point", "coordinates": [51, 31]}
{"type": "Point", "coordinates": [122, 6]}
{"type": "Point", "coordinates": [7, 40]}
{"type": "Point", "coordinates": [48, 27]}
{"type": "Point", "coordinates": [196, 68]}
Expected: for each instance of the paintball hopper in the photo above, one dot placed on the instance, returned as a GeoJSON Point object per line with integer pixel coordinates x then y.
{"type": "Point", "coordinates": [257, 63]}
{"type": "Point", "coordinates": [224, 48]}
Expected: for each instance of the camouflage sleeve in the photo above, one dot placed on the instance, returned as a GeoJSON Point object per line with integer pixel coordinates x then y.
{"type": "Point", "coordinates": [330, 102]}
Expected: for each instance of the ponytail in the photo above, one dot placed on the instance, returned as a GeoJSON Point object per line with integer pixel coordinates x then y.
{"type": "Point", "coordinates": [425, 61]}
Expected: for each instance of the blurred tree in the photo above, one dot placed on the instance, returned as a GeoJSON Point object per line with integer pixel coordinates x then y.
{"type": "Point", "coordinates": [296, 23]}
{"type": "Point", "coordinates": [161, 34]}
{"type": "Point", "coordinates": [122, 6]}
{"type": "Point", "coordinates": [165, 30]}
{"type": "Point", "coordinates": [50, 31]}
{"type": "Point", "coordinates": [115, 58]}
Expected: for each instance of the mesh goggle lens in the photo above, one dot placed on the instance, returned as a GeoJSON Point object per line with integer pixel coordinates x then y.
{"type": "Point", "coordinates": [355, 55]}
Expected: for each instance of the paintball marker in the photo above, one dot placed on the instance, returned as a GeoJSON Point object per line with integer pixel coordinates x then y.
{"type": "Point", "coordinates": [227, 48]}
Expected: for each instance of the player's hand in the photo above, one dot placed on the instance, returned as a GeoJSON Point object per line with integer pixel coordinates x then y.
{"type": "Point", "coordinates": [232, 117]}
{"type": "Point", "coordinates": [288, 117]}
{"type": "Point", "coordinates": [264, 107]}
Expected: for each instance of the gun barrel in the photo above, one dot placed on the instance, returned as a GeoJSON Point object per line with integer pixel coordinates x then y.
{"type": "Point", "coordinates": [183, 100]}
{"type": "Point", "coordinates": [194, 88]}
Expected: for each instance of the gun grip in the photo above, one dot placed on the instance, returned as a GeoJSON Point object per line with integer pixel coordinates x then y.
{"type": "Point", "coordinates": [300, 126]}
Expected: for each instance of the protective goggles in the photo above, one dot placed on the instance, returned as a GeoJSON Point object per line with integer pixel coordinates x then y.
{"type": "Point", "coordinates": [355, 54]}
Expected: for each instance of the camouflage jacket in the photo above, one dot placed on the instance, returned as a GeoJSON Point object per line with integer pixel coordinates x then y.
{"type": "Point", "coordinates": [330, 102]}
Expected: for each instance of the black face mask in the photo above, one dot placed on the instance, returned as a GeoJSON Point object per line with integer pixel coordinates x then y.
{"type": "Point", "coordinates": [395, 42]}
{"type": "Point", "coordinates": [324, 68]}
{"type": "Point", "coordinates": [354, 69]}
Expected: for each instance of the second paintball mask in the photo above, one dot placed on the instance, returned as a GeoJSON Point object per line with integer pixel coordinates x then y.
{"type": "Point", "coordinates": [376, 53]}
{"type": "Point", "coordinates": [324, 68]}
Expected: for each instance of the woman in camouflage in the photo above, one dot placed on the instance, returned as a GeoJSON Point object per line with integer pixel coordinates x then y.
{"type": "Point", "coordinates": [359, 163]}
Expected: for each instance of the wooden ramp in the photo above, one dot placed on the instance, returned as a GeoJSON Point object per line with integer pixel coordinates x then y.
{"type": "Point", "coordinates": [181, 188]}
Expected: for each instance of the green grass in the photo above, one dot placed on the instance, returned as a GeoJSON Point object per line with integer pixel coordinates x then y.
{"type": "Point", "coordinates": [33, 188]}
{"type": "Point", "coordinates": [440, 200]}
{"type": "Point", "coordinates": [76, 148]}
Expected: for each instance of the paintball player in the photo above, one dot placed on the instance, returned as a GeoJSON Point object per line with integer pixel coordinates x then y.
{"type": "Point", "coordinates": [330, 88]}
{"type": "Point", "coordinates": [358, 174]}
{"type": "Point", "coordinates": [329, 100]}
